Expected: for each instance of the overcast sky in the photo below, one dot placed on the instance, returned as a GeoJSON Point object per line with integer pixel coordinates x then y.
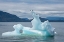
{"type": "Point", "coordinates": [22, 8]}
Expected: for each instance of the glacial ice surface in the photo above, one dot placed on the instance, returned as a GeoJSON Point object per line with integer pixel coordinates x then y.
{"type": "Point", "coordinates": [38, 28]}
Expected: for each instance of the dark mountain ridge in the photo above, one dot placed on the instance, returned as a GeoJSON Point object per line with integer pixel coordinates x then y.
{"type": "Point", "coordinates": [7, 17]}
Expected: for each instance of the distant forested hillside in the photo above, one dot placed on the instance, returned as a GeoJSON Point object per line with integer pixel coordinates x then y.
{"type": "Point", "coordinates": [7, 17]}
{"type": "Point", "coordinates": [56, 19]}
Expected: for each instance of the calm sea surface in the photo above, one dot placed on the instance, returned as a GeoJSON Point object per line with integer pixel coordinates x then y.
{"type": "Point", "coordinates": [8, 26]}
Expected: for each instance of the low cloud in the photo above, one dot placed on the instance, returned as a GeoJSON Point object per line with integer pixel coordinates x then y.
{"type": "Point", "coordinates": [23, 9]}
{"type": "Point", "coordinates": [35, 1]}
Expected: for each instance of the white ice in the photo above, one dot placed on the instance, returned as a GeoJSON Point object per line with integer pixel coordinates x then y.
{"type": "Point", "coordinates": [38, 28]}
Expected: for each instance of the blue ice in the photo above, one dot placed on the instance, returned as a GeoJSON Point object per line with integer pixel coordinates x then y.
{"type": "Point", "coordinates": [38, 28]}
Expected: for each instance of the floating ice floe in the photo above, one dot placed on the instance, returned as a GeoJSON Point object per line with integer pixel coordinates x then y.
{"type": "Point", "coordinates": [38, 28]}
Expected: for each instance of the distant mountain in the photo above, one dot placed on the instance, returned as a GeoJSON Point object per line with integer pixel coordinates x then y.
{"type": "Point", "coordinates": [43, 19]}
{"type": "Point", "coordinates": [7, 17]}
{"type": "Point", "coordinates": [55, 19]}
{"type": "Point", "coordinates": [25, 20]}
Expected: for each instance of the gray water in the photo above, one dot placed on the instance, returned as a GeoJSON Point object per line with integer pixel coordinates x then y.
{"type": "Point", "coordinates": [8, 26]}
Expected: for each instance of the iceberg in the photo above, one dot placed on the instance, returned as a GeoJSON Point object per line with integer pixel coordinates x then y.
{"type": "Point", "coordinates": [38, 28]}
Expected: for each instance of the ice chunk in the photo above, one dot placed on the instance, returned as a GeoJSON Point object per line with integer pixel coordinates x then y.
{"type": "Point", "coordinates": [39, 28]}
{"type": "Point", "coordinates": [36, 23]}
{"type": "Point", "coordinates": [16, 31]}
